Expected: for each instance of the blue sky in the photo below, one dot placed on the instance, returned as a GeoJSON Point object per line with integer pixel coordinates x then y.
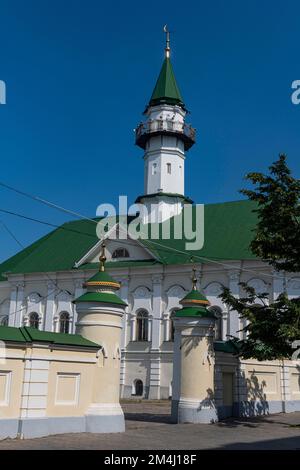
{"type": "Point", "coordinates": [79, 73]}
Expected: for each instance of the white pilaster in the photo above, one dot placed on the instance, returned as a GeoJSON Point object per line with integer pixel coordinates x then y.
{"type": "Point", "coordinates": [19, 304]}
{"type": "Point", "coordinates": [279, 283]}
{"type": "Point", "coordinates": [12, 306]}
{"type": "Point", "coordinates": [124, 336]}
{"type": "Point", "coordinates": [78, 292]}
{"type": "Point", "coordinates": [35, 388]}
{"type": "Point", "coordinates": [50, 306]}
{"type": "Point", "coordinates": [234, 320]}
{"type": "Point", "coordinates": [156, 324]}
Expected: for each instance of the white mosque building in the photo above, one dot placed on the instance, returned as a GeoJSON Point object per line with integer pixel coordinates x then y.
{"type": "Point", "coordinates": [38, 284]}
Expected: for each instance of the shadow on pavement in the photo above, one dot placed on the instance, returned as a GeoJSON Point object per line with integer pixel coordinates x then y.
{"type": "Point", "coordinates": [148, 417]}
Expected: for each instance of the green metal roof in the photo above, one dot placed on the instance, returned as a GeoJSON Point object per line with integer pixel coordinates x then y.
{"type": "Point", "coordinates": [30, 335]}
{"type": "Point", "coordinates": [100, 297]}
{"type": "Point", "coordinates": [194, 312]}
{"type": "Point", "coordinates": [227, 236]}
{"type": "Point", "coordinates": [166, 90]}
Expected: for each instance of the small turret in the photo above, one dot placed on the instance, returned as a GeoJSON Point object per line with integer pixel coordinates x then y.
{"type": "Point", "coordinates": [100, 311]}
{"type": "Point", "coordinates": [193, 365]}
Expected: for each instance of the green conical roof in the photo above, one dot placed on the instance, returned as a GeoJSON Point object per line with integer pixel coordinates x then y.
{"type": "Point", "coordinates": [102, 278]}
{"type": "Point", "coordinates": [166, 89]}
{"type": "Point", "coordinates": [195, 297]}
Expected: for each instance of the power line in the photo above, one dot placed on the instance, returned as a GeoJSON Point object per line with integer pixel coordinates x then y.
{"type": "Point", "coordinates": [47, 223]}
{"type": "Point", "coordinates": [11, 234]}
{"type": "Point", "coordinates": [163, 246]}
{"type": "Point", "coordinates": [44, 201]}
{"type": "Point", "coordinates": [52, 280]}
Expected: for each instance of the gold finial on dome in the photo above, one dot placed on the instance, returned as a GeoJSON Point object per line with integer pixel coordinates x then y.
{"type": "Point", "coordinates": [194, 278]}
{"type": "Point", "coordinates": [167, 48]}
{"type": "Point", "coordinates": [102, 257]}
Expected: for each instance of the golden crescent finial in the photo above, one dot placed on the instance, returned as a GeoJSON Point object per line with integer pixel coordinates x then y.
{"type": "Point", "coordinates": [167, 48]}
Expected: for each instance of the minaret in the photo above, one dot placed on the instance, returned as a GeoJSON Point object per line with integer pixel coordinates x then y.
{"type": "Point", "coordinates": [100, 313]}
{"type": "Point", "coordinates": [193, 360]}
{"type": "Point", "coordinates": [165, 137]}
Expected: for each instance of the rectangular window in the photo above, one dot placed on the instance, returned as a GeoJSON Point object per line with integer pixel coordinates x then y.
{"type": "Point", "coordinates": [154, 169]}
{"type": "Point", "coordinates": [169, 168]}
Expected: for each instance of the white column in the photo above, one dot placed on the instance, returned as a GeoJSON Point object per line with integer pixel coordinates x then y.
{"type": "Point", "coordinates": [166, 323]}
{"type": "Point", "coordinates": [285, 387]}
{"type": "Point", "coordinates": [124, 335]}
{"type": "Point", "coordinates": [132, 322]}
{"type": "Point", "coordinates": [123, 293]}
{"type": "Point", "coordinates": [225, 331]}
{"type": "Point", "coordinates": [19, 304]}
{"type": "Point", "coordinates": [157, 312]}
{"type": "Point", "coordinates": [279, 283]}
{"type": "Point", "coordinates": [50, 306]}
{"type": "Point", "coordinates": [234, 320]}
{"type": "Point", "coordinates": [79, 290]}
{"type": "Point", "coordinates": [12, 306]}
{"type": "Point", "coordinates": [154, 390]}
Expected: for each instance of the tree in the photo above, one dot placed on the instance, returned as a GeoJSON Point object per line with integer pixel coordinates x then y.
{"type": "Point", "coordinates": [272, 327]}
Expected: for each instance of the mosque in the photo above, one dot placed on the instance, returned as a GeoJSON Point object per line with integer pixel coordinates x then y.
{"type": "Point", "coordinates": [151, 328]}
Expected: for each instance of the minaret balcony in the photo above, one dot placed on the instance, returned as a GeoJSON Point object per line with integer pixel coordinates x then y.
{"type": "Point", "coordinates": [152, 127]}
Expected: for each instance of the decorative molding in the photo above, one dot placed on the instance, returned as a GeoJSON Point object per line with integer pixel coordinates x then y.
{"type": "Point", "coordinates": [213, 288]}
{"type": "Point", "coordinates": [259, 285]}
{"type": "Point", "coordinates": [293, 285]}
{"type": "Point", "coordinates": [142, 292]}
{"type": "Point", "coordinates": [34, 298]}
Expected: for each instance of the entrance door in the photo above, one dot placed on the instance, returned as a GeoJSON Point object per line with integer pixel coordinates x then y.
{"type": "Point", "coordinates": [227, 395]}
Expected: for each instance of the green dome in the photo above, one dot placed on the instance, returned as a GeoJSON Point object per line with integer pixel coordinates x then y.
{"type": "Point", "coordinates": [101, 278]}
{"type": "Point", "coordinates": [195, 297]}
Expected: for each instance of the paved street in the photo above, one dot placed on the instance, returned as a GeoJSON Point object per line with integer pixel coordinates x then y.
{"type": "Point", "coordinates": [148, 427]}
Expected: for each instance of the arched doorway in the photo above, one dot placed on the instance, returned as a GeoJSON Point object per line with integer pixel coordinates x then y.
{"type": "Point", "coordinates": [138, 388]}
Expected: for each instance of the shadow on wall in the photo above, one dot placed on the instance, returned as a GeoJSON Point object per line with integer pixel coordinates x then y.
{"type": "Point", "coordinates": [191, 342]}
{"type": "Point", "coordinates": [257, 400]}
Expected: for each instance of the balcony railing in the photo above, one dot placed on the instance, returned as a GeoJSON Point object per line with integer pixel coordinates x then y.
{"type": "Point", "coordinates": [154, 126]}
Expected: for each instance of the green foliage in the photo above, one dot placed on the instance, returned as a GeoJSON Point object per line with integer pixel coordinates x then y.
{"type": "Point", "coordinates": [277, 237]}
{"type": "Point", "coordinates": [272, 327]}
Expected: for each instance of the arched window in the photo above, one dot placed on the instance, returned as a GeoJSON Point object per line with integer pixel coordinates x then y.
{"type": "Point", "coordinates": [171, 324]}
{"type": "Point", "coordinates": [142, 324]}
{"type": "Point", "coordinates": [4, 320]}
{"type": "Point", "coordinates": [218, 328]}
{"type": "Point", "coordinates": [138, 388]}
{"type": "Point", "coordinates": [34, 320]}
{"type": "Point", "coordinates": [64, 322]}
{"type": "Point", "coordinates": [120, 253]}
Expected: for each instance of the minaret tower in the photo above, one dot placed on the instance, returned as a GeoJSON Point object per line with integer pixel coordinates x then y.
{"type": "Point", "coordinates": [165, 137]}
